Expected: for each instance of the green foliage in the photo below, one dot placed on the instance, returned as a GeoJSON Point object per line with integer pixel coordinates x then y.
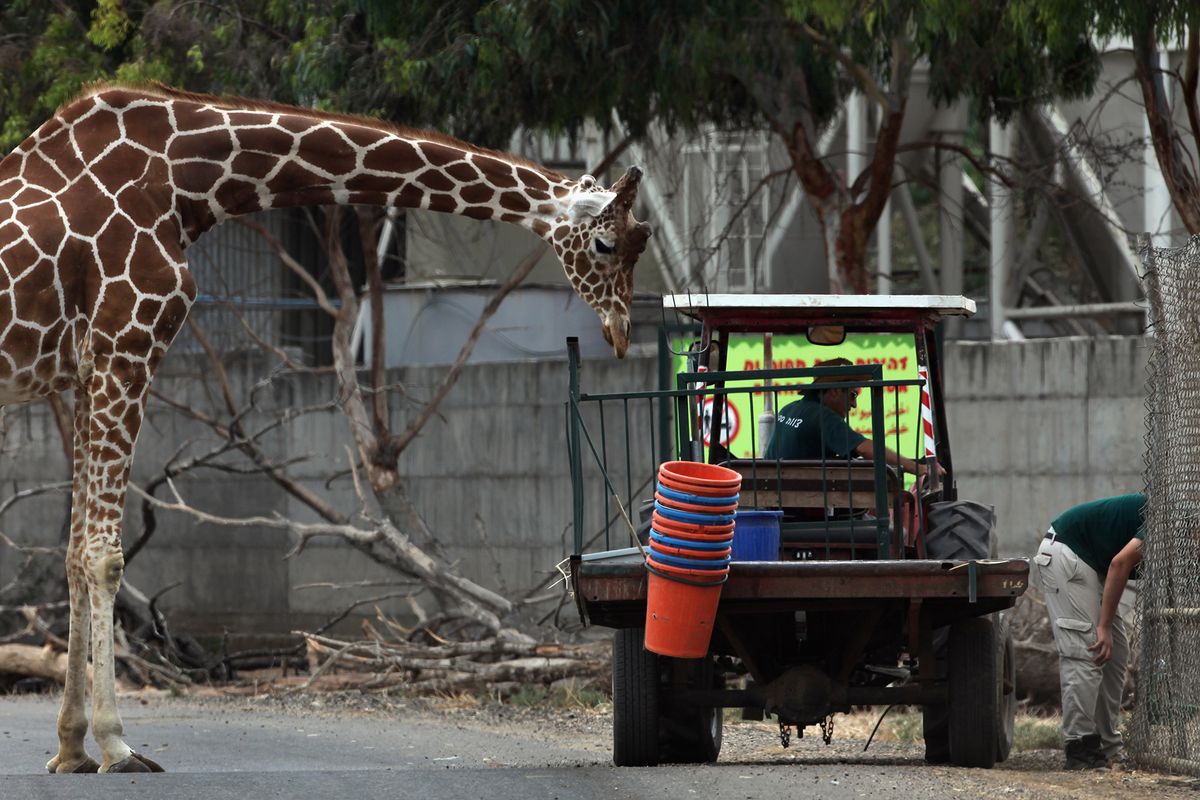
{"type": "Point", "coordinates": [1170, 19]}
{"type": "Point", "coordinates": [110, 25]}
{"type": "Point", "coordinates": [1008, 56]}
{"type": "Point", "coordinates": [482, 69]}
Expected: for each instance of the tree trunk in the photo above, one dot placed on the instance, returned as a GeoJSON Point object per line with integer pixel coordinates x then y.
{"type": "Point", "coordinates": [1172, 157]}
{"type": "Point", "coordinates": [851, 243]}
{"type": "Point", "coordinates": [847, 225]}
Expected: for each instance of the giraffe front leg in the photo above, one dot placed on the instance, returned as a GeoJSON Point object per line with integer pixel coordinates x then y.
{"type": "Point", "coordinates": [118, 398]}
{"type": "Point", "coordinates": [106, 569]}
{"type": "Point", "coordinates": [72, 718]}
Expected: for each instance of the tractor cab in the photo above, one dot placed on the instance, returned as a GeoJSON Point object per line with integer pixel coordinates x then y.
{"type": "Point", "coordinates": [830, 406]}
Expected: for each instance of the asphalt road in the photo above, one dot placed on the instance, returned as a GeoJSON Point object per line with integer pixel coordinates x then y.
{"type": "Point", "coordinates": [216, 750]}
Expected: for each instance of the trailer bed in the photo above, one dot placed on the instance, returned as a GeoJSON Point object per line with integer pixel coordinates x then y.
{"type": "Point", "coordinates": [610, 587]}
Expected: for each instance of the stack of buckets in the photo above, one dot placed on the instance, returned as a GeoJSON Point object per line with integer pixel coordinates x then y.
{"type": "Point", "coordinates": [691, 541]}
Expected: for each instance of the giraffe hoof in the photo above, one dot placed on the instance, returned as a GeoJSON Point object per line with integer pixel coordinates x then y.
{"type": "Point", "coordinates": [136, 762]}
{"type": "Point", "coordinates": [86, 764]}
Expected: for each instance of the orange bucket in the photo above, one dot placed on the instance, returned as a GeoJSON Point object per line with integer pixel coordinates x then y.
{"type": "Point", "coordinates": [691, 488]}
{"type": "Point", "coordinates": [696, 474]}
{"type": "Point", "coordinates": [685, 530]}
{"type": "Point", "coordinates": [680, 616]}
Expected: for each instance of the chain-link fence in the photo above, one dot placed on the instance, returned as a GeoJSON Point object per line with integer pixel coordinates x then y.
{"type": "Point", "coordinates": [1166, 722]}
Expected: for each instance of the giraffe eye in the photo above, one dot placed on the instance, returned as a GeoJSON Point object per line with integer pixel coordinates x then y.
{"type": "Point", "coordinates": [603, 247]}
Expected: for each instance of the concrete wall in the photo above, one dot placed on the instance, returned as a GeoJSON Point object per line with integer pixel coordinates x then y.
{"type": "Point", "coordinates": [489, 473]}
{"type": "Point", "coordinates": [1036, 427]}
{"type": "Point", "coordinates": [1039, 426]}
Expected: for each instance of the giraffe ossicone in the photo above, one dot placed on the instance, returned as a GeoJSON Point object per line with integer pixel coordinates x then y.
{"type": "Point", "coordinates": [97, 209]}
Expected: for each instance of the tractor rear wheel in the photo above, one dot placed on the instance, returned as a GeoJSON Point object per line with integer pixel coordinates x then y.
{"type": "Point", "coordinates": [692, 734]}
{"type": "Point", "coordinates": [1007, 686]}
{"type": "Point", "coordinates": [635, 685]}
{"type": "Point", "coordinates": [974, 693]}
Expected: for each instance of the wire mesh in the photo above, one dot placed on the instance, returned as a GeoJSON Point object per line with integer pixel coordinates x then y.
{"type": "Point", "coordinates": [1166, 721]}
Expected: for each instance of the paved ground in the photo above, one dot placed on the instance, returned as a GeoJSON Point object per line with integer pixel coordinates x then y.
{"type": "Point", "coordinates": [362, 748]}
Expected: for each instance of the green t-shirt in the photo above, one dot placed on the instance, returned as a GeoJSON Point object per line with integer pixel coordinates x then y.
{"type": "Point", "coordinates": [803, 425]}
{"type": "Point", "coordinates": [1098, 530]}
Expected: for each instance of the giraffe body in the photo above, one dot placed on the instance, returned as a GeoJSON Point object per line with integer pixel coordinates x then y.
{"type": "Point", "coordinates": [97, 208]}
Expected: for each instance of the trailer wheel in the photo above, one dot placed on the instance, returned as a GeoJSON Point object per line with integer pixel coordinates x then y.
{"type": "Point", "coordinates": [693, 737]}
{"type": "Point", "coordinates": [692, 734]}
{"type": "Point", "coordinates": [635, 700]}
{"type": "Point", "coordinates": [975, 691]}
{"type": "Point", "coordinates": [1007, 687]}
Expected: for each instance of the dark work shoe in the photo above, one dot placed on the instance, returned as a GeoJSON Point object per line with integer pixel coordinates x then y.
{"type": "Point", "coordinates": [1094, 746]}
{"type": "Point", "coordinates": [937, 756]}
{"type": "Point", "coordinates": [1085, 754]}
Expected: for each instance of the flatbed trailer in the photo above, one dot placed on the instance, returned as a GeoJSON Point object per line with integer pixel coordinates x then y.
{"type": "Point", "coordinates": [901, 605]}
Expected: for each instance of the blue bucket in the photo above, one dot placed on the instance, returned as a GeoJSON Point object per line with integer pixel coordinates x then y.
{"type": "Point", "coordinates": [696, 499]}
{"type": "Point", "coordinates": [756, 534]}
{"type": "Point", "coordinates": [692, 563]}
{"type": "Point", "coordinates": [691, 518]}
{"type": "Point", "coordinates": [692, 544]}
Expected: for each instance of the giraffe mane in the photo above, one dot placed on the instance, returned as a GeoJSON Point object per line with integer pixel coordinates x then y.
{"type": "Point", "coordinates": [162, 91]}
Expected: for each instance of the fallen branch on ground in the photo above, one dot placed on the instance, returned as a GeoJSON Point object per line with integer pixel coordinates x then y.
{"type": "Point", "coordinates": [392, 658]}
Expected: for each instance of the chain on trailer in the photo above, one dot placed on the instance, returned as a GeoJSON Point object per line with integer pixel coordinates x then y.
{"type": "Point", "coordinates": [1166, 721]}
{"type": "Point", "coordinates": [827, 729]}
{"type": "Point", "coordinates": [785, 731]}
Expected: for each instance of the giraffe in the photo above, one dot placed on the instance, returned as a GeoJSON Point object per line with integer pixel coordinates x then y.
{"type": "Point", "coordinates": [97, 208]}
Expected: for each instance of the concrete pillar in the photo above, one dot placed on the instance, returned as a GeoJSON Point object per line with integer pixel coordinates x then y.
{"type": "Point", "coordinates": [1000, 208]}
{"type": "Point", "coordinates": [948, 127]}
{"type": "Point", "coordinates": [950, 221]}
{"type": "Point", "coordinates": [857, 120]}
{"type": "Point", "coordinates": [883, 244]}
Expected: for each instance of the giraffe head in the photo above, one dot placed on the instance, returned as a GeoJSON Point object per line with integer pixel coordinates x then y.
{"type": "Point", "coordinates": [599, 242]}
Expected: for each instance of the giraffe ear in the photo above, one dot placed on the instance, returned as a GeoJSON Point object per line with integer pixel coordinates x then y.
{"type": "Point", "coordinates": [590, 204]}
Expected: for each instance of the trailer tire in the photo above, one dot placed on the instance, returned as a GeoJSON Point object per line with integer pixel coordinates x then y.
{"type": "Point", "coordinates": [1007, 686]}
{"type": "Point", "coordinates": [635, 684]}
{"type": "Point", "coordinates": [693, 734]}
{"type": "Point", "coordinates": [935, 717]}
{"type": "Point", "coordinates": [974, 693]}
{"type": "Point", "coordinates": [693, 737]}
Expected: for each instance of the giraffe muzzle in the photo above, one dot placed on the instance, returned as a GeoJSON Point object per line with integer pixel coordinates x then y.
{"type": "Point", "coordinates": [616, 333]}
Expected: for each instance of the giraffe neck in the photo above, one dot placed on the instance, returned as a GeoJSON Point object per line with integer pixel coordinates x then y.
{"type": "Point", "coordinates": [225, 160]}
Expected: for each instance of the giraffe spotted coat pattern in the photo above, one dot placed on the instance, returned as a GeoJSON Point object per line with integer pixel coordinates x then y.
{"type": "Point", "coordinates": [97, 208]}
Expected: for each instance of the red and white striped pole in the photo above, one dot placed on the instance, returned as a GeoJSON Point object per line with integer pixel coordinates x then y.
{"type": "Point", "coordinates": [926, 411]}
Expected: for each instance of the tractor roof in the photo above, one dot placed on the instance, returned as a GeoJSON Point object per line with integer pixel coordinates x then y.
{"type": "Point", "coordinates": [779, 312]}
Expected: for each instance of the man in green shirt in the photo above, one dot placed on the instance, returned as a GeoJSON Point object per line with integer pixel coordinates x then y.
{"type": "Point", "coordinates": [1083, 564]}
{"type": "Point", "coordinates": [815, 426]}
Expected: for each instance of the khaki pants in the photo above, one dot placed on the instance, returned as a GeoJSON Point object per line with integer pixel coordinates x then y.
{"type": "Point", "coordinates": [1091, 695]}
